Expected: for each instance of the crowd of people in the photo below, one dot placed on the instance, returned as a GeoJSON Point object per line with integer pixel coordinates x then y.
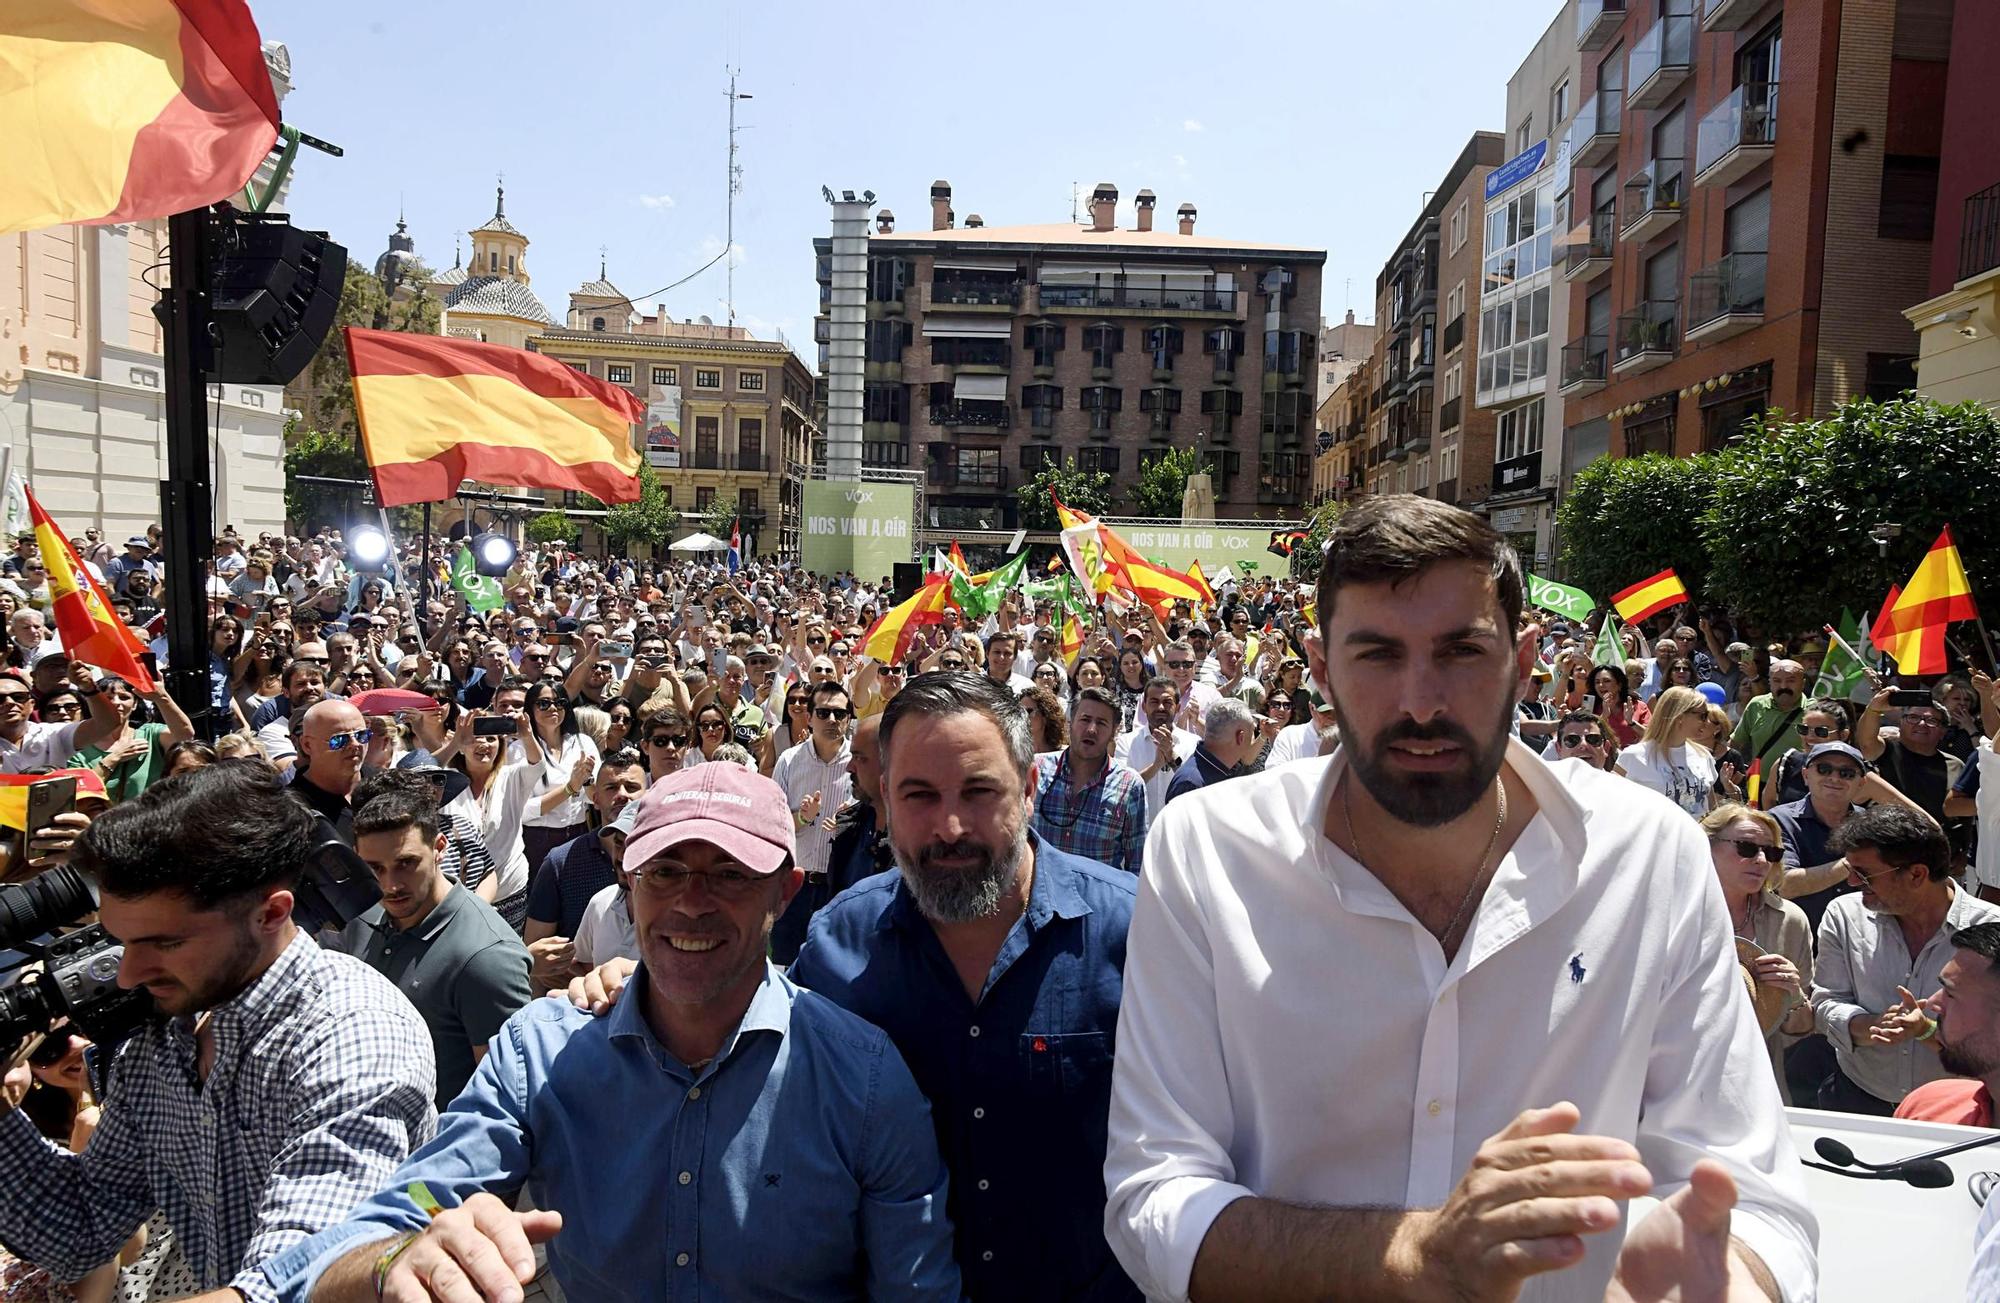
{"type": "Point", "coordinates": [951, 960]}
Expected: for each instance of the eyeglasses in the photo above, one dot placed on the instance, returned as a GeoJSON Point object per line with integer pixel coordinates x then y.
{"type": "Point", "coordinates": [1582, 739]}
{"type": "Point", "coordinates": [53, 1050]}
{"type": "Point", "coordinates": [815, 642]}
{"type": "Point", "coordinates": [1921, 721]}
{"type": "Point", "coordinates": [668, 879]}
{"type": "Point", "coordinates": [665, 740]}
{"type": "Point", "coordinates": [1846, 773]}
{"type": "Point", "coordinates": [713, 725]}
{"type": "Point", "coordinates": [525, 631]}
{"type": "Point", "coordinates": [1819, 730]}
{"type": "Point", "coordinates": [63, 708]}
{"type": "Point", "coordinates": [534, 656]}
{"type": "Point", "coordinates": [830, 713]}
{"type": "Point", "coordinates": [360, 737]}
{"type": "Point", "coordinates": [1751, 850]}
{"type": "Point", "coordinates": [1278, 706]}
{"type": "Point", "coordinates": [951, 665]}
{"type": "Point", "coordinates": [838, 649]}
{"type": "Point", "coordinates": [1870, 877]}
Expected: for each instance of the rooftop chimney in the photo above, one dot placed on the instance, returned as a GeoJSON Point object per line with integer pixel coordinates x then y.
{"type": "Point", "coordinates": [885, 222]}
{"type": "Point", "coordinates": [1350, 316]}
{"type": "Point", "coordinates": [1186, 215]}
{"type": "Point", "coordinates": [974, 221]}
{"type": "Point", "coordinates": [940, 205]}
{"type": "Point", "coordinates": [1145, 201]}
{"type": "Point", "coordinates": [1104, 207]}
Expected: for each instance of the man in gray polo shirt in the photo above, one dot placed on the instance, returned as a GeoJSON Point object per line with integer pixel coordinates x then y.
{"type": "Point", "coordinates": [446, 949]}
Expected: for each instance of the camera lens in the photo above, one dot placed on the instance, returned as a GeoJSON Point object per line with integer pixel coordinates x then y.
{"type": "Point", "coordinates": [30, 909]}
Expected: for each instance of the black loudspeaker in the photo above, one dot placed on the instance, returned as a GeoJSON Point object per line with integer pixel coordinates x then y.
{"type": "Point", "coordinates": [274, 292]}
{"type": "Point", "coordinates": [909, 578]}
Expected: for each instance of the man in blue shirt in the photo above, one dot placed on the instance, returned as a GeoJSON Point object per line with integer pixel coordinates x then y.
{"type": "Point", "coordinates": [718, 1108]}
{"type": "Point", "coordinates": [576, 871]}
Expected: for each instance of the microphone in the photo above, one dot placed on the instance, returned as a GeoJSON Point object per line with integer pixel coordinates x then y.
{"type": "Point", "coordinates": [1925, 1174]}
{"type": "Point", "coordinates": [1833, 1151]}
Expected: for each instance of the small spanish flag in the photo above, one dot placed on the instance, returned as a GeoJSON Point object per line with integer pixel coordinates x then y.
{"type": "Point", "coordinates": [125, 110]}
{"type": "Point", "coordinates": [82, 611]}
{"type": "Point", "coordinates": [1201, 581]}
{"type": "Point", "coordinates": [1649, 596]}
{"type": "Point", "coordinates": [435, 411]}
{"type": "Point", "coordinates": [14, 792]}
{"type": "Point", "coordinates": [1753, 782]}
{"type": "Point", "coordinates": [888, 639]}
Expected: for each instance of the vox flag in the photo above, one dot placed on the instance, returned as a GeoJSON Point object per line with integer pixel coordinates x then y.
{"type": "Point", "coordinates": [124, 110]}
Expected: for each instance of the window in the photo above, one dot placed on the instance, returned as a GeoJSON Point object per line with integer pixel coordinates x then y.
{"type": "Point", "coordinates": [668, 489]}
{"type": "Point", "coordinates": [1454, 383]}
{"type": "Point", "coordinates": [886, 403]}
{"type": "Point", "coordinates": [1520, 235]}
{"type": "Point", "coordinates": [1454, 302]}
{"type": "Point", "coordinates": [886, 340]}
{"type": "Point", "coordinates": [1097, 459]}
{"type": "Point", "coordinates": [1283, 350]}
{"type": "Point", "coordinates": [1222, 407]}
{"type": "Point", "coordinates": [664, 375]}
{"type": "Point", "coordinates": [1162, 404]}
{"type": "Point", "coordinates": [705, 379]}
{"type": "Point", "coordinates": [1514, 340]}
{"type": "Point", "coordinates": [493, 261]}
{"type": "Point", "coordinates": [597, 323]}
{"type": "Point", "coordinates": [1042, 403]}
{"type": "Point", "coordinates": [1559, 104]}
{"type": "Point", "coordinates": [750, 443]}
{"type": "Point", "coordinates": [704, 500]}
{"type": "Point", "coordinates": [510, 264]}
{"type": "Point", "coordinates": [1421, 474]}
{"type": "Point", "coordinates": [1164, 343]}
{"type": "Point", "coordinates": [1519, 431]}
{"type": "Point", "coordinates": [1460, 222]}
{"type": "Point", "coordinates": [1036, 457]}
{"type": "Point", "coordinates": [583, 367]}
{"type": "Point", "coordinates": [1101, 402]}
{"type": "Point", "coordinates": [618, 373]}
{"type": "Point", "coordinates": [1524, 133]}
{"type": "Point", "coordinates": [1890, 375]}
{"type": "Point", "coordinates": [1651, 428]}
{"type": "Point", "coordinates": [1044, 339]}
{"type": "Point", "coordinates": [887, 279]}
{"type": "Point", "coordinates": [979, 467]}
{"type": "Point", "coordinates": [708, 442]}
{"type": "Point", "coordinates": [750, 382]}
{"type": "Point", "coordinates": [1909, 197]}
{"type": "Point", "coordinates": [1727, 414]}
{"type": "Point", "coordinates": [882, 453]}
{"type": "Point", "coordinates": [1286, 413]}
{"type": "Point", "coordinates": [746, 502]}
{"type": "Point", "coordinates": [1105, 342]}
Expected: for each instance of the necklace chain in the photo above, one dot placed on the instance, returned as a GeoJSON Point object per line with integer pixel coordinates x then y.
{"type": "Point", "coordinates": [1459, 915]}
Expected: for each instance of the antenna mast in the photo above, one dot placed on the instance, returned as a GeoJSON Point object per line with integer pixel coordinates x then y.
{"type": "Point", "coordinates": [735, 185]}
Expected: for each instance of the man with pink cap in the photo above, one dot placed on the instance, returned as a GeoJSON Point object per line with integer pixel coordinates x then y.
{"type": "Point", "coordinates": [666, 1140]}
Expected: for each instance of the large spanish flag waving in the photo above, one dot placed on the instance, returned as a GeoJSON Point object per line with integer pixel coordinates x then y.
{"type": "Point", "coordinates": [1911, 625]}
{"type": "Point", "coordinates": [435, 411]}
{"type": "Point", "coordinates": [888, 639]}
{"type": "Point", "coordinates": [89, 631]}
{"type": "Point", "coordinates": [121, 110]}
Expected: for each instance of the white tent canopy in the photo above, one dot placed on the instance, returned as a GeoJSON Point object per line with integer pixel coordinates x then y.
{"type": "Point", "coordinates": [698, 542]}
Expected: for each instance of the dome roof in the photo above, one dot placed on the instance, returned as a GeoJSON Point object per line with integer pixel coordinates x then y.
{"type": "Point", "coordinates": [497, 296]}
{"type": "Point", "coordinates": [402, 251]}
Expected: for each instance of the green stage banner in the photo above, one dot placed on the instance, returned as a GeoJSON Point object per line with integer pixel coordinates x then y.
{"type": "Point", "coordinates": [1215, 546]}
{"type": "Point", "coordinates": [864, 527]}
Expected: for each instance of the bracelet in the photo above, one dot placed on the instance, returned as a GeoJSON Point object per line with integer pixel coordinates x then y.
{"type": "Point", "coordinates": [1930, 1029]}
{"type": "Point", "coordinates": [388, 1260]}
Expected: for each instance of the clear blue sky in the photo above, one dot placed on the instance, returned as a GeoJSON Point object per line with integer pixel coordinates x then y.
{"type": "Point", "coordinates": [1317, 124]}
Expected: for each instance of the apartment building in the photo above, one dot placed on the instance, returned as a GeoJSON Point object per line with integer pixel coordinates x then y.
{"type": "Point", "coordinates": [1415, 441]}
{"type": "Point", "coordinates": [993, 351]}
{"type": "Point", "coordinates": [1705, 127]}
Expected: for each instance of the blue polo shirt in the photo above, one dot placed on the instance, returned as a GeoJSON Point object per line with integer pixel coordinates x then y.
{"type": "Point", "coordinates": [573, 873]}
{"type": "Point", "coordinates": [1806, 838]}
{"type": "Point", "coordinates": [798, 1164]}
{"type": "Point", "coordinates": [1020, 1080]}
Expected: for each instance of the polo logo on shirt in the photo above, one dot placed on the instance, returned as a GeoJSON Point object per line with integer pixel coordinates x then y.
{"type": "Point", "coordinates": [1041, 1045]}
{"type": "Point", "coordinates": [1576, 967]}
{"type": "Point", "coordinates": [771, 1180]}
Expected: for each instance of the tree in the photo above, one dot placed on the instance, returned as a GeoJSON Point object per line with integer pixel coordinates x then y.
{"type": "Point", "coordinates": [650, 520]}
{"type": "Point", "coordinates": [721, 519]}
{"type": "Point", "coordinates": [1788, 521]}
{"type": "Point", "coordinates": [324, 392]}
{"type": "Point", "coordinates": [1162, 484]}
{"type": "Point", "coordinates": [1627, 518]}
{"type": "Point", "coordinates": [317, 452]}
{"type": "Point", "coordinates": [553, 527]}
{"type": "Point", "coordinates": [1087, 491]}
{"type": "Point", "coordinates": [1310, 552]}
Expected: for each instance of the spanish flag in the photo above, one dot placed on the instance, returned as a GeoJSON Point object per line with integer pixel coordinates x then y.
{"type": "Point", "coordinates": [1649, 596]}
{"type": "Point", "coordinates": [14, 792]}
{"type": "Point", "coordinates": [123, 110]}
{"type": "Point", "coordinates": [435, 411]}
{"type": "Point", "coordinates": [958, 559]}
{"type": "Point", "coordinates": [89, 631]}
{"type": "Point", "coordinates": [1911, 626]}
{"type": "Point", "coordinates": [888, 639]}
{"type": "Point", "coordinates": [1201, 581]}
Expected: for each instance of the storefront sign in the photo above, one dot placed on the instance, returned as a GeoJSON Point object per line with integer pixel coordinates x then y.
{"type": "Point", "coordinates": [1518, 474]}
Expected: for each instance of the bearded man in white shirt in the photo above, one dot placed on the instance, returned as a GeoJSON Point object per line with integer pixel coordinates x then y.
{"type": "Point", "coordinates": [1415, 1020]}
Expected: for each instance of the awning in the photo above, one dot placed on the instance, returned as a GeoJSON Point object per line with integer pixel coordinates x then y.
{"type": "Point", "coordinates": [984, 389]}
{"type": "Point", "coordinates": [974, 327]}
{"type": "Point", "coordinates": [1075, 271]}
{"type": "Point", "coordinates": [1140, 269]}
{"type": "Point", "coordinates": [975, 266]}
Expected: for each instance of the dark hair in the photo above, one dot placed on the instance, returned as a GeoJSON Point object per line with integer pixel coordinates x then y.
{"type": "Point", "coordinates": [1161, 680]}
{"type": "Point", "coordinates": [192, 746]}
{"type": "Point", "coordinates": [533, 704]}
{"type": "Point", "coordinates": [1900, 835]}
{"type": "Point", "coordinates": [1098, 696]}
{"type": "Point", "coordinates": [1980, 939]}
{"type": "Point", "coordinates": [619, 758]}
{"type": "Point", "coordinates": [1396, 537]}
{"type": "Point", "coordinates": [940, 694]}
{"type": "Point", "coordinates": [1617, 672]}
{"type": "Point", "coordinates": [1829, 706]}
{"type": "Point", "coordinates": [668, 714]}
{"type": "Point", "coordinates": [384, 781]}
{"type": "Point", "coordinates": [215, 834]}
{"type": "Point", "coordinates": [395, 809]}
{"type": "Point", "coordinates": [827, 689]}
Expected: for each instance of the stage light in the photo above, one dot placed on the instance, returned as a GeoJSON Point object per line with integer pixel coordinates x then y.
{"type": "Point", "coordinates": [367, 548]}
{"type": "Point", "coordinates": [493, 554]}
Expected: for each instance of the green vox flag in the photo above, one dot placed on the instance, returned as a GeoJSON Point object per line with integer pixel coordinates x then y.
{"type": "Point", "coordinates": [1840, 674]}
{"type": "Point", "coordinates": [1609, 649]}
{"type": "Point", "coordinates": [1573, 603]}
{"type": "Point", "coordinates": [481, 592]}
{"type": "Point", "coordinates": [981, 599]}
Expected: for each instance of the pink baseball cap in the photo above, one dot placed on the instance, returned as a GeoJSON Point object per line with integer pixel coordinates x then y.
{"type": "Point", "coordinates": [724, 804]}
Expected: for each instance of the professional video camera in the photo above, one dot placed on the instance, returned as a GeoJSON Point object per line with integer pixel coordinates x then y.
{"type": "Point", "coordinates": [78, 978]}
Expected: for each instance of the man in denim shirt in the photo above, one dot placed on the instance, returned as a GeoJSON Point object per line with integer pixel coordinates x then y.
{"type": "Point", "coordinates": [672, 1141]}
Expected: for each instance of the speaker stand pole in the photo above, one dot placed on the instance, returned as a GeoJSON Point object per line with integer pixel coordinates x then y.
{"type": "Point", "coordinates": [424, 581]}
{"type": "Point", "coordinates": [187, 507]}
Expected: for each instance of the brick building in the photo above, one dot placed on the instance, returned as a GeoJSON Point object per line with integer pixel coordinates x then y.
{"type": "Point", "coordinates": [992, 351]}
{"type": "Point", "coordinates": [1705, 127]}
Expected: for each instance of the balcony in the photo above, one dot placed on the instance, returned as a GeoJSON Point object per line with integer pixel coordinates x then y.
{"type": "Point", "coordinates": [1448, 413]}
{"type": "Point", "coordinates": [1728, 15]}
{"type": "Point", "coordinates": [1454, 333]}
{"type": "Point", "coordinates": [1727, 298]}
{"type": "Point", "coordinates": [1396, 452]}
{"type": "Point", "coordinates": [1738, 135]}
{"type": "Point", "coordinates": [1597, 23]}
{"type": "Point", "coordinates": [1652, 200]}
{"type": "Point", "coordinates": [1583, 366]}
{"type": "Point", "coordinates": [991, 479]}
{"type": "Point", "coordinates": [971, 354]}
{"type": "Point", "coordinates": [971, 415]}
{"type": "Point", "coordinates": [1593, 134]}
{"type": "Point", "coordinates": [977, 294]}
{"type": "Point", "coordinates": [1648, 337]}
{"type": "Point", "coordinates": [1590, 257]}
{"type": "Point", "coordinates": [1661, 61]}
{"type": "Point", "coordinates": [1979, 240]}
{"type": "Point", "coordinates": [1136, 298]}
{"type": "Point", "coordinates": [706, 460]}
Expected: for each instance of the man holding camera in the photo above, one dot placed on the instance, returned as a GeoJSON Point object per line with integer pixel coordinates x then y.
{"type": "Point", "coordinates": [284, 1082]}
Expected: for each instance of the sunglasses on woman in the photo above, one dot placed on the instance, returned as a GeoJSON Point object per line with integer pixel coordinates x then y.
{"type": "Point", "coordinates": [1751, 850]}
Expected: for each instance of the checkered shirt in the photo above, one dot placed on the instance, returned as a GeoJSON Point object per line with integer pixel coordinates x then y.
{"type": "Point", "coordinates": [1103, 821]}
{"type": "Point", "coordinates": [321, 1086]}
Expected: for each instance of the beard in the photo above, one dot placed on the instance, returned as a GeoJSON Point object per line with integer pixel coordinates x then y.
{"type": "Point", "coordinates": [230, 977]}
{"type": "Point", "coordinates": [952, 893]}
{"type": "Point", "coordinates": [1428, 800]}
{"type": "Point", "coordinates": [1962, 1060]}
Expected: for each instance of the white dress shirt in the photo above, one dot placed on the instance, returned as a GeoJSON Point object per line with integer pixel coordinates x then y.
{"type": "Point", "coordinates": [1862, 958]}
{"type": "Point", "coordinates": [606, 931]}
{"type": "Point", "coordinates": [1986, 855]}
{"type": "Point", "coordinates": [1135, 750]}
{"type": "Point", "coordinates": [801, 772]}
{"type": "Point", "coordinates": [1289, 1030]}
{"type": "Point", "coordinates": [1294, 742]}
